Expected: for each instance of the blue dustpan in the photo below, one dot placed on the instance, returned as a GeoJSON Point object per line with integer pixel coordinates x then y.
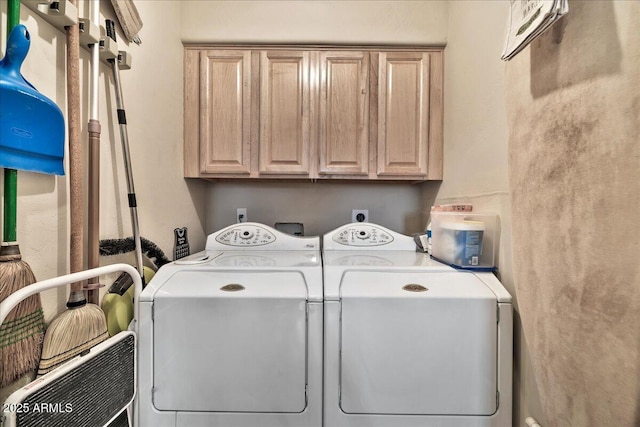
{"type": "Point", "coordinates": [31, 125]}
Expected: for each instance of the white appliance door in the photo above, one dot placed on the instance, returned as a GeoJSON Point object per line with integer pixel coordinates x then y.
{"type": "Point", "coordinates": [230, 342]}
{"type": "Point", "coordinates": [417, 343]}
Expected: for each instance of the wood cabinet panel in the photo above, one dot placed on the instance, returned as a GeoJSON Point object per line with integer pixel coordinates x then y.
{"type": "Point", "coordinates": [225, 111]}
{"type": "Point", "coordinates": [191, 126]}
{"type": "Point", "coordinates": [284, 112]}
{"type": "Point", "coordinates": [344, 113]}
{"type": "Point", "coordinates": [436, 115]}
{"type": "Point", "coordinates": [403, 113]}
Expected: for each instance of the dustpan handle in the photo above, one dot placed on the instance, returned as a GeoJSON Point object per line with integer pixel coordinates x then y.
{"type": "Point", "coordinates": [15, 298]}
{"type": "Point", "coordinates": [9, 228]}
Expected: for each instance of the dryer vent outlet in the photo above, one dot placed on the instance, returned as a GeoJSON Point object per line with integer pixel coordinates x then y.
{"type": "Point", "coordinates": [360, 215]}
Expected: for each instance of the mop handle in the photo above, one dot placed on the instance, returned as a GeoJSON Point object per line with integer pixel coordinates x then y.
{"type": "Point", "coordinates": [15, 298]}
{"type": "Point", "coordinates": [124, 137]}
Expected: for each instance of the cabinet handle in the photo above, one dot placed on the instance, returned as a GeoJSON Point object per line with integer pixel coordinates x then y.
{"type": "Point", "coordinates": [364, 109]}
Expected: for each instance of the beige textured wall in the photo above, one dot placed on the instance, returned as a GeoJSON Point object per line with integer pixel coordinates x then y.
{"type": "Point", "coordinates": [573, 103]}
{"type": "Point", "coordinates": [475, 151]}
{"type": "Point", "coordinates": [367, 22]}
{"type": "Point", "coordinates": [153, 100]}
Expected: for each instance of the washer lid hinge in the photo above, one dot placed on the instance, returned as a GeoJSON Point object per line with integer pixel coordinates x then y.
{"type": "Point", "coordinates": [497, 399]}
{"type": "Point", "coordinates": [498, 313]}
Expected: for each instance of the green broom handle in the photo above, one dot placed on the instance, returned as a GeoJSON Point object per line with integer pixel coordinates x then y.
{"type": "Point", "coordinates": [10, 202]}
{"type": "Point", "coordinates": [11, 175]}
{"type": "Point", "coordinates": [13, 15]}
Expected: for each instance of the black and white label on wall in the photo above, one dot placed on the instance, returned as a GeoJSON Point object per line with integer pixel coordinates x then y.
{"type": "Point", "coordinates": [527, 20]}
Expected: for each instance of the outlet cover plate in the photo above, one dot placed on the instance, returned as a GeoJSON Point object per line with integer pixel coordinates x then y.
{"type": "Point", "coordinates": [360, 215]}
{"type": "Point", "coordinates": [241, 215]}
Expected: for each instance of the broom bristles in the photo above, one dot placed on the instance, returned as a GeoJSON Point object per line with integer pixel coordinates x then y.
{"type": "Point", "coordinates": [72, 332]}
{"type": "Point", "coordinates": [22, 332]}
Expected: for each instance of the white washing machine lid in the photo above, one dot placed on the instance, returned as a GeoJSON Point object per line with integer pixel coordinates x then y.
{"type": "Point", "coordinates": [200, 267]}
{"type": "Point", "coordinates": [231, 342]}
{"type": "Point", "coordinates": [417, 344]}
{"type": "Point", "coordinates": [336, 263]}
{"type": "Point", "coordinates": [218, 283]}
{"type": "Point", "coordinates": [386, 283]}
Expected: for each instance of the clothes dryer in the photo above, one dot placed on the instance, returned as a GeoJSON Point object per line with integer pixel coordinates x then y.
{"type": "Point", "coordinates": [232, 336]}
{"type": "Point", "coordinates": [409, 341]}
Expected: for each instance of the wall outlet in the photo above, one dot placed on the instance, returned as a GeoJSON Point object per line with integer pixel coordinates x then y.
{"type": "Point", "coordinates": [360, 215]}
{"type": "Point", "coordinates": [241, 215]}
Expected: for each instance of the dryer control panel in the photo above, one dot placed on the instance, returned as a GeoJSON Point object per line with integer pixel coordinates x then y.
{"type": "Point", "coordinates": [367, 236]}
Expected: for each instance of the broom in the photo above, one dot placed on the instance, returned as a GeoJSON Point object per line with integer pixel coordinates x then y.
{"type": "Point", "coordinates": [21, 334]}
{"type": "Point", "coordinates": [82, 325]}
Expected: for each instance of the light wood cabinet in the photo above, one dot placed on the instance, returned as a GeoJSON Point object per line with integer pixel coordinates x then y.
{"type": "Point", "coordinates": [313, 113]}
{"type": "Point", "coordinates": [406, 113]}
{"type": "Point", "coordinates": [284, 112]}
{"type": "Point", "coordinates": [224, 119]}
{"type": "Point", "coordinates": [344, 113]}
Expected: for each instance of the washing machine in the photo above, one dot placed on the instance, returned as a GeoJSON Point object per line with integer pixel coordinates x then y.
{"type": "Point", "coordinates": [232, 336]}
{"type": "Point", "coordinates": [409, 341]}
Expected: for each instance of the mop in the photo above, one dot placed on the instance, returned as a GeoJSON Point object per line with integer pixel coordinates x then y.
{"type": "Point", "coordinates": [117, 304]}
{"type": "Point", "coordinates": [122, 121]}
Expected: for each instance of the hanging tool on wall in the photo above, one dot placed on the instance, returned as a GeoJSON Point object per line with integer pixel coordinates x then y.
{"type": "Point", "coordinates": [94, 166]}
{"type": "Point", "coordinates": [122, 121]}
{"type": "Point", "coordinates": [129, 19]}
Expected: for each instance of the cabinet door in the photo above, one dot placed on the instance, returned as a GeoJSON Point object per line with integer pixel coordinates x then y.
{"type": "Point", "coordinates": [344, 113]}
{"type": "Point", "coordinates": [225, 108]}
{"type": "Point", "coordinates": [284, 112]}
{"type": "Point", "coordinates": [403, 113]}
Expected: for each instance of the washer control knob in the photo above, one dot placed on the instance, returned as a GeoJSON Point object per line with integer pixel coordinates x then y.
{"type": "Point", "coordinates": [246, 234]}
{"type": "Point", "coordinates": [362, 234]}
